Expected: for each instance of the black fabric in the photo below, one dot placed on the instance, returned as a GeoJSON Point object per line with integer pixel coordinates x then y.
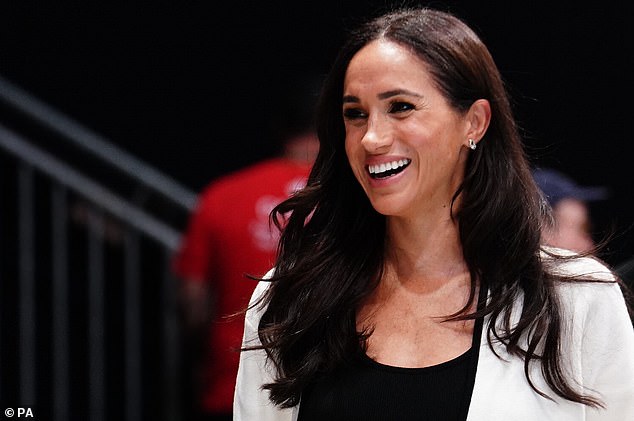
{"type": "Point", "coordinates": [367, 390]}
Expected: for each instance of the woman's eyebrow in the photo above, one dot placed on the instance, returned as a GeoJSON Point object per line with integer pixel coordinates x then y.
{"type": "Point", "coordinates": [382, 95]}
{"type": "Point", "coordinates": [395, 92]}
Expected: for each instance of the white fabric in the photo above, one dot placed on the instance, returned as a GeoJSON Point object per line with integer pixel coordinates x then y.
{"type": "Point", "coordinates": [598, 352]}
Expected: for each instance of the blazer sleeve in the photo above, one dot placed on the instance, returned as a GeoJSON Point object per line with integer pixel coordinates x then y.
{"type": "Point", "coordinates": [251, 402]}
{"type": "Point", "coordinates": [608, 354]}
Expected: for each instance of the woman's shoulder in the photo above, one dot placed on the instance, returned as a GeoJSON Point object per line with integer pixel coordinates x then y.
{"type": "Point", "coordinates": [587, 282]}
{"type": "Point", "coordinates": [256, 303]}
{"type": "Point", "coordinates": [568, 264]}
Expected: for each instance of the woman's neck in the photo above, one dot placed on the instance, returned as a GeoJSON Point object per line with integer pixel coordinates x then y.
{"type": "Point", "coordinates": [424, 249]}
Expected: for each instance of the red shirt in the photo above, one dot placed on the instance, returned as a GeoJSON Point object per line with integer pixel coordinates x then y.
{"type": "Point", "coordinates": [229, 236]}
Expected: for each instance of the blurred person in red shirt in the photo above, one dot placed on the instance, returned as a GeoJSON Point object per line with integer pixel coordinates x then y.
{"type": "Point", "coordinates": [228, 238]}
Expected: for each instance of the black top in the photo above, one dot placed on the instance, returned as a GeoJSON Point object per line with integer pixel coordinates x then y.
{"type": "Point", "coordinates": [367, 390]}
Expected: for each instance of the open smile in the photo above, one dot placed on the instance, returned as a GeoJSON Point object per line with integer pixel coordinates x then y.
{"type": "Point", "coordinates": [387, 169]}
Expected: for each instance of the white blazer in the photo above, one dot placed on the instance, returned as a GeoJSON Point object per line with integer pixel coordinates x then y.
{"type": "Point", "coordinates": [597, 349]}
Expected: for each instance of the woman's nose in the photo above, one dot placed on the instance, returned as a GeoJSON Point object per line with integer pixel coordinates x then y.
{"type": "Point", "coordinates": [378, 136]}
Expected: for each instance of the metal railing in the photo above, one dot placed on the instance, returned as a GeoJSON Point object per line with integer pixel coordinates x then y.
{"type": "Point", "coordinates": [88, 305]}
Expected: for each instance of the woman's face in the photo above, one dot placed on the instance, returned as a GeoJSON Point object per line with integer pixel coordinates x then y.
{"type": "Point", "coordinates": [405, 144]}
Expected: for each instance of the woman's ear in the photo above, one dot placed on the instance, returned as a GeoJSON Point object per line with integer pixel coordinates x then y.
{"type": "Point", "coordinates": [478, 119]}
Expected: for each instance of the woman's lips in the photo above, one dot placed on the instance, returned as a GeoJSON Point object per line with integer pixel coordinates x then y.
{"type": "Point", "coordinates": [387, 169]}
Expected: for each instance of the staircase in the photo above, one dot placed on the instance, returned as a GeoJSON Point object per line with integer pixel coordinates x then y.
{"type": "Point", "coordinates": [89, 311]}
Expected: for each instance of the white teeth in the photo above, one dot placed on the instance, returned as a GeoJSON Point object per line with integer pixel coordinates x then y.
{"type": "Point", "coordinates": [386, 166]}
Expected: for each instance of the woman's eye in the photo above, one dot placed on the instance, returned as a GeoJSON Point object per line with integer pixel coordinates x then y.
{"type": "Point", "coordinates": [399, 107]}
{"type": "Point", "coordinates": [353, 114]}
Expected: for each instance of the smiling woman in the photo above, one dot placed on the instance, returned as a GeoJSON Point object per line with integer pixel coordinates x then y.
{"type": "Point", "coordinates": [394, 112]}
{"type": "Point", "coordinates": [191, 88]}
{"type": "Point", "coordinates": [411, 281]}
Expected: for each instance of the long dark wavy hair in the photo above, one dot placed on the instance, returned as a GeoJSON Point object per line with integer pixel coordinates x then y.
{"type": "Point", "coordinates": [331, 252]}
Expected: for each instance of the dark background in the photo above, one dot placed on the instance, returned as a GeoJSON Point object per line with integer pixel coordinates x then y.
{"type": "Point", "coordinates": [190, 86]}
